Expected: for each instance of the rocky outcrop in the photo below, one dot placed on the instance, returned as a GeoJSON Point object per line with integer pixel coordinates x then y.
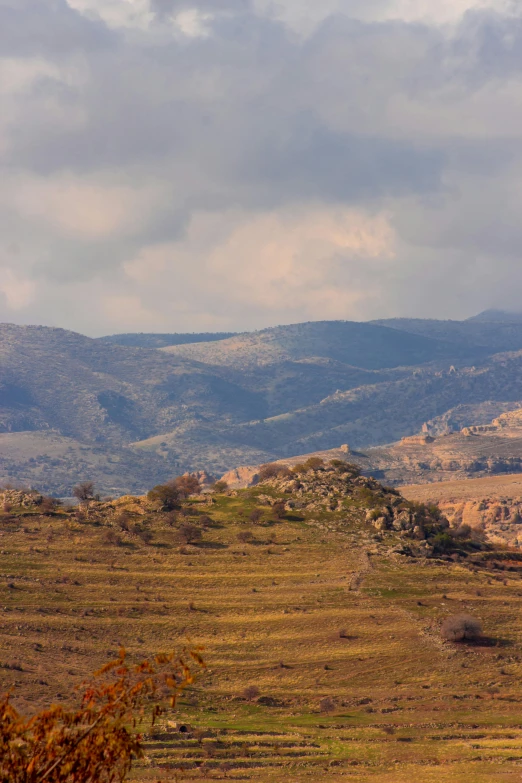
{"type": "Point", "coordinates": [239, 478]}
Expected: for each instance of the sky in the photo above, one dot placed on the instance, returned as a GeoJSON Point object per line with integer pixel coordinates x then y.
{"type": "Point", "coordinates": [228, 165]}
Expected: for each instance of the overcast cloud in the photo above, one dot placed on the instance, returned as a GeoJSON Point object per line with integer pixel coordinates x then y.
{"type": "Point", "coordinates": [187, 165]}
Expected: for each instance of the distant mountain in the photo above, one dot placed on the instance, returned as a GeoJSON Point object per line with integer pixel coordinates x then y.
{"type": "Point", "coordinates": [365, 345]}
{"type": "Point", "coordinates": [498, 316]}
{"type": "Point", "coordinates": [144, 340]}
{"type": "Point", "coordinates": [494, 335]}
{"type": "Point", "coordinates": [128, 416]}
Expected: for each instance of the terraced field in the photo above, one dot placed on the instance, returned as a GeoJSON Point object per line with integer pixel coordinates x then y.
{"type": "Point", "coordinates": [338, 634]}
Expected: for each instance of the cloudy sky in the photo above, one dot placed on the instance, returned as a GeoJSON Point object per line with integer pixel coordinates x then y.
{"type": "Point", "coordinates": [210, 165]}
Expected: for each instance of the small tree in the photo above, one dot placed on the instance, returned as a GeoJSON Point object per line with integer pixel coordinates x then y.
{"type": "Point", "coordinates": [313, 463]}
{"type": "Point", "coordinates": [256, 516]}
{"type": "Point", "coordinates": [96, 741]}
{"type": "Point", "coordinates": [220, 486]}
{"type": "Point", "coordinates": [461, 627]}
{"type": "Point", "coordinates": [251, 693]}
{"type": "Point", "coordinates": [166, 496]}
{"type": "Point", "coordinates": [186, 485]}
{"type": "Point", "coordinates": [279, 510]}
{"type": "Point", "coordinates": [273, 470]}
{"type": "Point", "coordinates": [84, 491]}
{"type": "Point", "coordinates": [189, 534]}
{"type": "Point", "coordinates": [245, 536]}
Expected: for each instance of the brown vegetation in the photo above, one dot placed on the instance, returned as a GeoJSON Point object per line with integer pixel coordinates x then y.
{"type": "Point", "coordinates": [461, 627]}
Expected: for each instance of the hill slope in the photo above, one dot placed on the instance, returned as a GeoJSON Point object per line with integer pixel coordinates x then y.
{"type": "Point", "coordinates": [367, 346]}
{"type": "Point", "coordinates": [338, 632]}
{"type": "Point", "coordinates": [148, 340]}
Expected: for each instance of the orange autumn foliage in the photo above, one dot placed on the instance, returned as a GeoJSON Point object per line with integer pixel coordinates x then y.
{"type": "Point", "coordinates": [98, 741]}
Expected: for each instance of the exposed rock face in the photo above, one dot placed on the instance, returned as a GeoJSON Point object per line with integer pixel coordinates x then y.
{"type": "Point", "coordinates": [239, 478]}
{"type": "Point", "coordinates": [204, 478]}
{"type": "Point", "coordinates": [18, 497]}
{"type": "Point", "coordinates": [492, 504]}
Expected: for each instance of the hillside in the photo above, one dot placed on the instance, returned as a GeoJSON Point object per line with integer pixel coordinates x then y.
{"type": "Point", "coordinates": [148, 340]}
{"type": "Point", "coordinates": [367, 346]}
{"type": "Point", "coordinates": [322, 641]}
{"type": "Point", "coordinates": [500, 335]}
{"type": "Point", "coordinates": [72, 407]}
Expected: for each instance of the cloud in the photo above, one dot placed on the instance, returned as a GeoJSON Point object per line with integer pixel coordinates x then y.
{"type": "Point", "coordinates": [233, 164]}
{"type": "Point", "coordinates": [18, 292]}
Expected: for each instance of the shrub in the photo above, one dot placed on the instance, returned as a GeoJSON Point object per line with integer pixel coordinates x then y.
{"type": "Point", "coordinates": [442, 542]}
{"type": "Point", "coordinates": [205, 520]}
{"type": "Point", "coordinates": [166, 496]}
{"type": "Point", "coordinates": [461, 627]}
{"type": "Point", "coordinates": [189, 534]}
{"type": "Point", "coordinates": [273, 470]}
{"type": "Point", "coordinates": [251, 692]}
{"type": "Point", "coordinates": [220, 486]}
{"type": "Point", "coordinates": [256, 516]}
{"type": "Point", "coordinates": [123, 521]}
{"type": "Point", "coordinates": [313, 463]}
{"type": "Point", "coordinates": [345, 467]}
{"type": "Point", "coordinates": [186, 485]}
{"type": "Point", "coordinates": [49, 505]}
{"type": "Point", "coordinates": [245, 537]}
{"type": "Point", "coordinates": [327, 704]}
{"type": "Point", "coordinates": [95, 741]}
{"type": "Point", "coordinates": [171, 518]}
{"type": "Point", "coordinates": [111, 537]}
{"type": "Point", "coordinates": [84, 491]}
{"type": "Point", "coordinates": [279, 509]}
{"type": "Point", "coordinates": [146, 535]}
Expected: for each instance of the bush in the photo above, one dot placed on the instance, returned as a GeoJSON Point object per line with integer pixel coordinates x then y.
{"type": "Point", "coordinates": [327, 704]}
{"type": "Point", "coordinates": [171, 518]}
{"type": "Point", "coordinates": [345, 467]}
{"type": "Point", "coordinates": [256, 516]}
{"type": "Point", "coordinates": [94, 741]}
{"type": "Point", "coordinates": [220, 486]}
{"type": "Point", "coordinates": [251, 692]}
{"type": "Point", "coordinates": [189, 534]}
{"type": "Point", "coordinates": [314, 463]}
{"type": "Point", "coordinates": [205, 520]}
{"type": "Point", "coordinates": [123, 521]}
{"type": "Point", "coordinates": [279, 510]}
{"type": "Point", "coordinates": [245, 537]}
{"type": "Point", "coordinates": [49, 505]}
{"type": "Point", "coordinates": [186, 485]}
{"type": "Point", "coordinates": [461, 627]}
{"type": "Point", "coordinates": [166, 496]}
{"type": "Point", "coordinates": [111, 537]}
{"type": "Point", "coordinates": [273, 470]}
{"type": "Point", "coordinates": [84, 491]}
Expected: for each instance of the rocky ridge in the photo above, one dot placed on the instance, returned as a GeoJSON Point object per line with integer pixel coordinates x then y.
{"type": "Point", "coordinates": [337, 491]}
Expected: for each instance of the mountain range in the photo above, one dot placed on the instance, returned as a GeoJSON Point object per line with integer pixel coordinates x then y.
{"type": "Point", "coordinates": [130, 410]}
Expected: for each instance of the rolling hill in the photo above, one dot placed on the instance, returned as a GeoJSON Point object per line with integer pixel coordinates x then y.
{"type": "Point", "coordinates": [321, 628]}
{"type": "Point", "coordinates": [72, 407]}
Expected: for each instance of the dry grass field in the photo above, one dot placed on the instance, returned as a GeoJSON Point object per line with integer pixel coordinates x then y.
{"type": "Point", "coordinates": [339, 635]}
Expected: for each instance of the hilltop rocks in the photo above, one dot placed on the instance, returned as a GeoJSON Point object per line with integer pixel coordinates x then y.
{"type": "Point", "coordinates": [339, 487]}
{"type": "Point", "coordinates": [239, 478]}
{"type": "Point", "coordinates": [19, 497]}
